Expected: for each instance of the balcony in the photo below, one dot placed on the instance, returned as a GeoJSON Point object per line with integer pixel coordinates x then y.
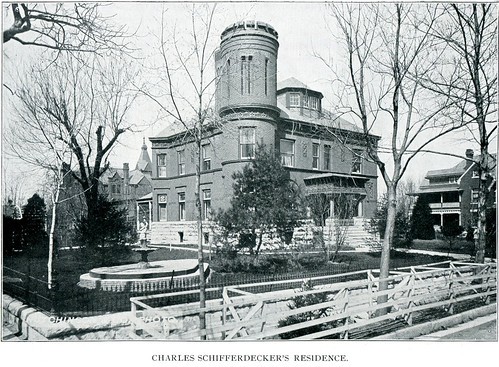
{"type": "Point", "coordinates": [452, 205]}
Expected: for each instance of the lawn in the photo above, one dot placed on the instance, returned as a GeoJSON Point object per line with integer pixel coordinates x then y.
{"type": "Point", "coordinates": [73, 300]}
{"type": "Point", "coordinates": [460, 246]}
{"type": "Point", "coordinates": [69, 264]}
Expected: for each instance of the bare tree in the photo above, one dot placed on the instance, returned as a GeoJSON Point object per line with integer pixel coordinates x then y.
{"type": "Point", "coordinates": [468, 76]}
{"type": "Point", "coordinates": [83, 105]}
{"type": "Point", "coordinates": [185, 95]}
{"type": "Point", "coordinates": [72, 27]}
{"type": "Point", "coordinates": [388, 53]}
{"type": "Point", "coordinates": [41, 135]}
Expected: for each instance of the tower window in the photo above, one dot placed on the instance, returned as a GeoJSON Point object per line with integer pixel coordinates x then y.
{"type": "Point", "coordinates": [228, 78]}
{"type": "Point", "coordinates": [246, 74]}
{"type": "Point", "coordinates": [247, 141]}
{"type": "Point", "coordinates": [294, 99]}
{"type": "Point", "coordinates": [266, 75]}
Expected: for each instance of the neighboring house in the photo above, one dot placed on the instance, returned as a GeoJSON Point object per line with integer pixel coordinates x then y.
{"type": "Point", "coordinates": [453, 192]}
{"type": "Point", "coordinates": [124, 186]}
{"type": "Point", "coordinates": [252, 110]}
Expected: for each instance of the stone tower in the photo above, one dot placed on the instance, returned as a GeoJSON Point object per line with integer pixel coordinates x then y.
{"type": "Point", "coordinates": [246, 65]}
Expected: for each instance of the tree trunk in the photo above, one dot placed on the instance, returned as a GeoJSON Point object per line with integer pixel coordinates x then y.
{"type": "Point", "coordinates": [385, 250]}
{"type": "Point", "coordinates": [202, 280]}
{"type": "Point", "coordinates": [55, 200]}
{"type": "Point", "coordinates": [480, 242]}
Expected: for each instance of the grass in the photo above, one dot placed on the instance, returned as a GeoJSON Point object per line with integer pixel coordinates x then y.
{"type": "Point", "coordinates": [69, 265]}
{"type": "Point", "coordinates": [460, 246]}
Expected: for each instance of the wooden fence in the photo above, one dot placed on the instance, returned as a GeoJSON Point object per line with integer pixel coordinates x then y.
{"type": "Point", "coordinates": [344, 306]}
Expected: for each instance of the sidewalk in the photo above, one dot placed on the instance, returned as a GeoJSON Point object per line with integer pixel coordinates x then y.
{"type": "Point", "coordinates": [480, 329]}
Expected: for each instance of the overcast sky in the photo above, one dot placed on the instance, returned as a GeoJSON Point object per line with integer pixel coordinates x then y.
{"type": "Point", "coordinates": [303, 30]}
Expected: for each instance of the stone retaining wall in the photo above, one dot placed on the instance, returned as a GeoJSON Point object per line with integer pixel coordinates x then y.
{"type": "Point", "coordinates": [35, 325]}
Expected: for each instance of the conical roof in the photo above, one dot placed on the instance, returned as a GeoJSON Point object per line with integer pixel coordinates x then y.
{"type": "Point", "coordinates": [144, 163]}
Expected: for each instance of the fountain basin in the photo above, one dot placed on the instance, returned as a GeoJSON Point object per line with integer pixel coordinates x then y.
{"type": "Point", "coordinates": [158, 275]}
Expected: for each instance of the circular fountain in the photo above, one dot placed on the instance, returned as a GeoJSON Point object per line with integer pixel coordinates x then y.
{"type": "Point", "coordinates": [144, 275]}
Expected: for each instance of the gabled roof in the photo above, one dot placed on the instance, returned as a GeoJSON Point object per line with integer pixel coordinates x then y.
{"type": "Point", "coordinates": [135, 176]}
{"type": "Point", "coordinates": [457, 170]}
{"type": "Point", "coordinates": [461, 167]}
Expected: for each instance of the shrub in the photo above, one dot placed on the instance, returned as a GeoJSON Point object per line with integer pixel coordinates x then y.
{"type": "Point", "coordinates": [105, 234]}
{"type": "Point", "coordinates": [422, 222]}
{"type": "Point", "coordinates": [303, 301]}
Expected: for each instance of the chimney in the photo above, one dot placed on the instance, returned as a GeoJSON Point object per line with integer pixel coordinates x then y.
{"type": "Point", "coordinates": [469, 157]}
{"type": "Point", "coordinates": [126, 173]}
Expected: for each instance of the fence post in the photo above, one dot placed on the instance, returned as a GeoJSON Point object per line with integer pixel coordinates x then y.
{"type": "Point", "coordinates": [345, 308]}
{"type": "Point", "coordinates": [224, 310]}
{"type": "Point", "coordinates": [412, 281]}
{"type": "Point", "coordinates": [451, 289]}
{"type": "Point", "coordinates": [370, 278]}
{"type": "Point", "coordinates": [487, 288]}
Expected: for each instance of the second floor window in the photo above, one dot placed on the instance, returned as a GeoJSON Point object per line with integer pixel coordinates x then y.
{"type": "Point", "coordinates": [475, 195]}
{"type": "Point", "coordinates": [247, 141]}
{"type": "Point", "coordinates": [287, 153]}
{"type": "Point", "coordinates": [115, 189]}
{"type": "Point", "coordinates": [315, 156]}
{"type": "Point", "coordinates": [181, 206]}
{"type": "Point", "coordinates": [206, 157]}
{"type": "Point", "coordinates": [161, 165]}
{"type": "Point", "coordinates": [327, 157]}
{"type": "Point", "coordinates": [181, 162]}
{"type": "Point", "coordinates": [357, 161]}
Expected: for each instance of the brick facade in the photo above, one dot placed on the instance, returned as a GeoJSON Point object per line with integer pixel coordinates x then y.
{"type": "Point", "coordinates": [287, 117]}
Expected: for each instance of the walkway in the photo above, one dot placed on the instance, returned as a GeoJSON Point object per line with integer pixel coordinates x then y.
{"type": "Point", "coordinates": [480, 329]}
{"type": "Point", "coordinates": [455, 256]}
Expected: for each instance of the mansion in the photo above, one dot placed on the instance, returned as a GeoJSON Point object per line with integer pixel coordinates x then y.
{"type": "Point", "coordinates": [323, 153]}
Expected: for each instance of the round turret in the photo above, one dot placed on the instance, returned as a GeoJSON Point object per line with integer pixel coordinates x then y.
{"type": "Point", "coordinates": [246, 65]}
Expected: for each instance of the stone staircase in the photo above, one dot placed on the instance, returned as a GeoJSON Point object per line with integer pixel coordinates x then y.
{"type": "Point", "coordinates": [353, 231]}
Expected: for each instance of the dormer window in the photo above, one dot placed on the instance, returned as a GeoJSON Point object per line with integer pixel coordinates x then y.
{"type": "Point", "coordinates": [313, 102]}
{"type": "Point", "coordinates": [305, 101]}
{"type": "Point", "coordinates": [452, 179]}
{"type": "Point", "coordinates": [294, 100]}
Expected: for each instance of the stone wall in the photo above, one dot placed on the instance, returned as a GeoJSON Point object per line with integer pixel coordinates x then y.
{"type": "Point", "coordinates": [32, 324]}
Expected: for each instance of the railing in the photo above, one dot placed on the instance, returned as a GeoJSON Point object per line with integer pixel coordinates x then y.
{"type": "Point", "coordinates": [451, 205]}
{"type": "Point", "coordinates": [348, 305]}
{"type": "Point", "coordinates": [71, 300]}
